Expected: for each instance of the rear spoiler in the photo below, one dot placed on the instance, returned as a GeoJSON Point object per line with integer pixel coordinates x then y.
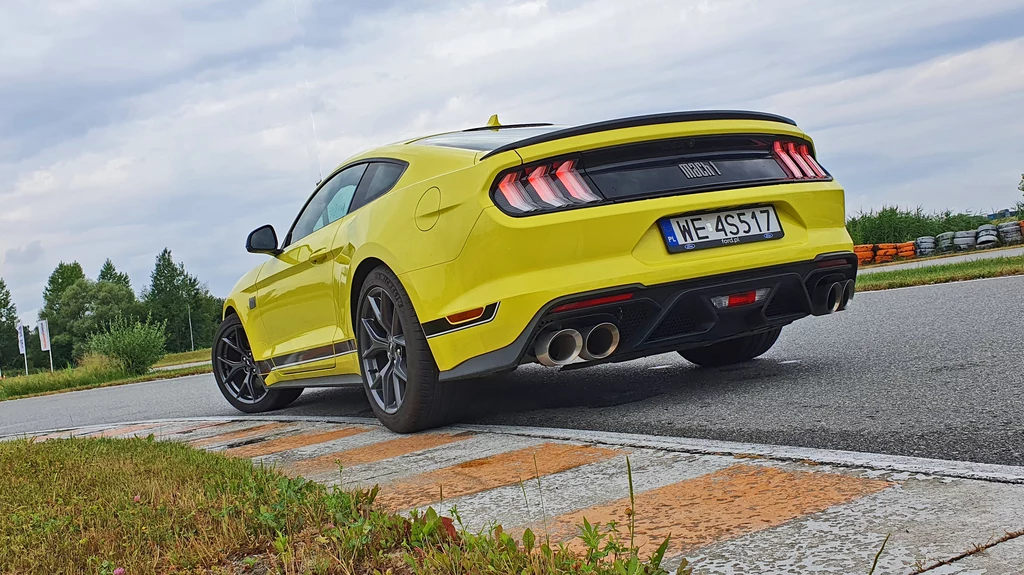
{"type": "Point", "coordinates": [635, 121]}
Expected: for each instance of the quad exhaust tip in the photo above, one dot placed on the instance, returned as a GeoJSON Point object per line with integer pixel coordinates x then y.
{"type": "Point", "coordinates": [559, 347]}
{"type": "Point", "coordinates": [849, 288]}
{"type": "Point", "coordinates": [599, 341]}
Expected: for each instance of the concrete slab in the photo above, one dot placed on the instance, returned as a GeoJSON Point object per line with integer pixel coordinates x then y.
{"type": "Point", "coordinates": [728, 508]}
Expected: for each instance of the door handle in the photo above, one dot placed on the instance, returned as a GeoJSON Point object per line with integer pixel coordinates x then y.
{"type": "Point", "coordinates": [319, 256]}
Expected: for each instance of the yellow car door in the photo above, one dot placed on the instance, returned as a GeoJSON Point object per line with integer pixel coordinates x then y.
{"type": "Point", "coordinates": [296, 289]}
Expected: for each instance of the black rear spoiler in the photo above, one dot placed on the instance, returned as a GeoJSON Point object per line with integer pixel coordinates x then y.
{"type": "Point", "coordinates": [649, 120]}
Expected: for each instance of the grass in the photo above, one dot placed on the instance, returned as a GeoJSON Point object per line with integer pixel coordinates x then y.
{"type": "Point", "coordinates": [137, 506]}
{"type": "Point", "coordinates": [94, 371]}
{"type": "Point", "coordinates": [942, 273]}
{"type": "Point", "coordinates": [892, 224]}
{"type": "Point", "coordinates": [184, 357]}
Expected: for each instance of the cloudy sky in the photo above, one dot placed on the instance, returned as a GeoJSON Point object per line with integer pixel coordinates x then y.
{"type": "Point", "coordinates": [127, 126]}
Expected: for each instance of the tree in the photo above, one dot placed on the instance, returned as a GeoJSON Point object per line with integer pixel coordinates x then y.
{"type": "Point", "coordinates": [9, 355]}
{"type": "Point", "coordinates": [174, 294]}
{"type": "Point", "coordinates": [84, 309]}
{"type": "Point", "coordinates": [60, 280]}
{"type": "Point", "coordinates": [108, 273]}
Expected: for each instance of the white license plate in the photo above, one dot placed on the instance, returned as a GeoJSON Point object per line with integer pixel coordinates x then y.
{"type": "Point", "coordinates": [707, 230]}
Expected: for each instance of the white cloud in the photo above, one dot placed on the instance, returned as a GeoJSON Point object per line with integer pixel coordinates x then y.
{"type": "Point", "coordinates": [133, 126]}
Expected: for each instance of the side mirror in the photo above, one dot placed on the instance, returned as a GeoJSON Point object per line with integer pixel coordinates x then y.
{"type": "Point", "coordinates": [262, 240]}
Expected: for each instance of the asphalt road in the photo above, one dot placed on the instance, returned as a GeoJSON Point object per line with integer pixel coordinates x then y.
{"type": "Point", "coordinates": [935, 371]}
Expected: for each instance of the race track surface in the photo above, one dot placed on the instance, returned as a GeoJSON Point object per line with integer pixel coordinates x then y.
{"type": "Point", "coordinates": [933, 371]}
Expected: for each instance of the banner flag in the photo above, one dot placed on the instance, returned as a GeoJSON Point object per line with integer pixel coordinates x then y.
{"type": "Point", "coordinates": [44, 335]}
{"type": "Point", "coordinates": [21, 339]}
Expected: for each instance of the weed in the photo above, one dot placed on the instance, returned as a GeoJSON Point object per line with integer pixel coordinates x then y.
{"type": "Point", "coordinates": [892, 224]}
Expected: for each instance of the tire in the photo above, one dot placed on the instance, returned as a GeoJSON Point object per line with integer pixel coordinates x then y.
{"type": "Point", "coordinates": [732, 351]}
{"type": "Point", "coordinates": [965, 234]}
{"type": "Point", "coordinates": [389, 332]}
{"type": "Point", "coordinates": [237, 375]}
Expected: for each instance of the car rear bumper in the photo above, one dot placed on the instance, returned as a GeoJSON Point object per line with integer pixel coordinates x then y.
{"type": "Point", "coordinates": [677, 315]}
{"type": "Point", "coordinates": [522, 265]}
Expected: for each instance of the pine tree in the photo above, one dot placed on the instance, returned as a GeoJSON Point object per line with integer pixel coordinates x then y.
{"type": "Point", "coordinates": [172, 295]}
{"type": "Point", "coordinates": [63, 277]}
{"type": "Point", "coordinates": [108, 273]}
{"type": "Point", "coordinates": [9, 355]}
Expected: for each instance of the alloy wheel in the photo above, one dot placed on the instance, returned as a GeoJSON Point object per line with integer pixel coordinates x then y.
{"type": "Point", "coordinates": [383, 351]}
{"type": "Point", "coordinates": [237, 370]}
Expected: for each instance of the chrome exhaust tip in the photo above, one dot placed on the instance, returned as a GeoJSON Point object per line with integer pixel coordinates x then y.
{"type": "Point", "coordinates": [599, 341]}
{"type": "Point", "coordinates": [835, 297]}
{"type": "Point", "coordinates": [849, 288]}
{"type": "Point", "coordinates": [557, 348]}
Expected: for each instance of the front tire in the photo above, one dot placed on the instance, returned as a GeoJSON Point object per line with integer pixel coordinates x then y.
{"type": "Point", "coordinates": [733, 350]}
{"type": "Point", "coordinates": [237, 375]}
{"type": "Point", "coordinates": [400, 376]}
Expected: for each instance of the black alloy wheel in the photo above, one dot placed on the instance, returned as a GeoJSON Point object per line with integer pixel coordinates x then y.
{"type": "Point", "coordinates": [385, 358]}
{"type": "Point", "coordinates": [238, 376]}
{"type": "Point", "coordinates": [400, 376]}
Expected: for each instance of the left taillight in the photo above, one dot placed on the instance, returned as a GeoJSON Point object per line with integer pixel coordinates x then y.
{"type": "Point", "coordinates": [543, 188]}
{"type": "Point", "coordinates": [797, 161]}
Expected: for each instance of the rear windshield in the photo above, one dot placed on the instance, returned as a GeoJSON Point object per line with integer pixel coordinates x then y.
{"type": "Point", "coordinates": [485, 140]}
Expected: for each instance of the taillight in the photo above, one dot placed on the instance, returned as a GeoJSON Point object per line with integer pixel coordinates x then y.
{"type": "Point", "coordinates": [797, 161]}
{"type": "Point", "coordinates": [547, 187]}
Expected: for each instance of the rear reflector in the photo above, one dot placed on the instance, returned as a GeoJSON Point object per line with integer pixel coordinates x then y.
{"type": "Point", "coordinates": [593, 302]}
{"type": "Point", "coordinates": [740, 299]}
{"type": "Point", "coordinates": [545, 187]}
{"type": "Point", "coordinates": [464, 316]}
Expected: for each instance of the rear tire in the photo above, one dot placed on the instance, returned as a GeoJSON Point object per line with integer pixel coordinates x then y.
{"type": "Point", "coordinates": [732, 351]}
{"type": "Point", "coordinates": [237, 375]}
{"type": "Point", "coordinates": [400, 376]}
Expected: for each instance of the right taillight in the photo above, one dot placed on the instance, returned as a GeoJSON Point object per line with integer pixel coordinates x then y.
{"type": "Point", "coordinates": [543, 188]}
{"type": "Point", "coordinates": [796, 159]}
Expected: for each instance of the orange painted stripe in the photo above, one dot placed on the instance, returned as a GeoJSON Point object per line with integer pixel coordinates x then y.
{"type": "Point", "coordinates": [490, 472]}
{"type": "Point", "coordinates": [372, 453]}
{"type": "Point", "coordinates": [272, 446]}
{"type": "Point", "coordinates": [734, 501]}
{"type": "Point", "coordinates": [241, 434]}
{"type": "Point", "coordinates": [130, 429]}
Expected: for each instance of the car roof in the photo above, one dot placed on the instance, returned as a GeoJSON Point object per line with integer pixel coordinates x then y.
{"type": "Point", "coordinates": [486, 138]}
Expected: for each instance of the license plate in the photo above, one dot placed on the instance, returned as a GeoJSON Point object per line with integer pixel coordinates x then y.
{"type": "Point", "coordinates": [708, 230]}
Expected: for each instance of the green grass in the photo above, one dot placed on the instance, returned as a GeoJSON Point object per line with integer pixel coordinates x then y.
{"type": "Point", "coordinates": [138, 506]}
{"type": "Point", "coordinates": [94, 371]}
{"type": "Point", "coordinates": [184, 357]}
{"type": "Point", "coordinates": [892, 224]}
{"type": "Point", "coordinates": [942, 273]}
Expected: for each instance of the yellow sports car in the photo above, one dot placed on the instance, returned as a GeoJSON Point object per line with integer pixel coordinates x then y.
{"type": "Point", "coordinates": [469, 253]}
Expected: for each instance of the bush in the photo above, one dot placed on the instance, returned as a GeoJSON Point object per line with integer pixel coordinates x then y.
{"type": "Point", "coordinates": [135, 344]}
{"type": "Point", "coordinates": [892, 224]}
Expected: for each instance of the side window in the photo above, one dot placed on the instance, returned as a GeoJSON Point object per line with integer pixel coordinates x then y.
{"type": "Point", "coordinates": [329, 203]}
{"type": "Point", "coordinates": [380, 177]}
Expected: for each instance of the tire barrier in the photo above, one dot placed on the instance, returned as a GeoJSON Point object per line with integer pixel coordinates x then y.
{"type": "Point", "coordinates": [945, 241]}
{"type": "Point", "coordinates": [925, 246]}
{"type": "Point", "coordinates": [988, 236]}
{"type": "Point", "coordinates": [906, 250]}
{"type": "Point", "coordinates": [1010, 233]}
{"type": "Point", "coordinates": [865, 253]}
{"type": "Point", "coordinates": [985, 237]}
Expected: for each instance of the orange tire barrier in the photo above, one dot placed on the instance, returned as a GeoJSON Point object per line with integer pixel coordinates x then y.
{"type": "Point", "coordinates": [864, 248]}
{"type": "Point", "coordinates": [887, 246]}
{"type": "Point", "coordinates": [883, 259]}
{"type": "Point", "coordinates": [905, 246]}
{"type": "Point", "coordinates": [888, 252]}
{"type": "Point", "coordinates": [1022, 226]}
